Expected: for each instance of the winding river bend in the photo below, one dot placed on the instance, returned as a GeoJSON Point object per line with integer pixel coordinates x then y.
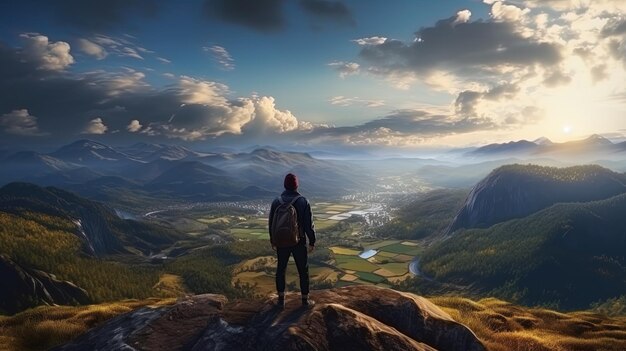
{"type": "Point", "coordinates": [414, 268]}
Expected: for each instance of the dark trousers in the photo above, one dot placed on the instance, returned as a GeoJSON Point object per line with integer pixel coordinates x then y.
{"type": "Point", "coordinates": [300, 256]}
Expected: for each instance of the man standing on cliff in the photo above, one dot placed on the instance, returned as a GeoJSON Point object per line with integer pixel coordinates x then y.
{"type": "Point", "coordinates": [290, 224]}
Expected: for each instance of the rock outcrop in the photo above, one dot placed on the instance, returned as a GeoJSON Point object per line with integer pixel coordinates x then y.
{"type": "Point", "coordinates": [348, 318]}
{"type": "Point", "coordinates": [23, 288]}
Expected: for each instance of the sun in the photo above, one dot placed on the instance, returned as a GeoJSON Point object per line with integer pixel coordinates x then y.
{"type": "Point", "coordinates": [567, 129]}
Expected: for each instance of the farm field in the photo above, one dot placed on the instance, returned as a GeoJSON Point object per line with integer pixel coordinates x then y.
{"type": "Point", "coordinates": [340, 244]}
{"type": "Point", "coordinates": [345, 268]}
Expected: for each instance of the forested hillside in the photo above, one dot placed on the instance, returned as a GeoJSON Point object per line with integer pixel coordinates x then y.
{"type": "Point", "coordinates": [515, 191]}
{"type": "Point", "coordinates": [566, 256]}
{"type": "Point", "coordinates": [84, 243]}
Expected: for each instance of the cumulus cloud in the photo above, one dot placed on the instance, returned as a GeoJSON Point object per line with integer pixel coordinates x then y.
{"type": "Point", "coordinates": [262, 15]}
{"type": "Point", "coordinates": [92, 49]}
{"type": "Point", "coordinates": [267, 118]}
{"type": "Point", "coordinates": [335, 11]}
{"type": "Point", "coordinates": [221, 56]}
{"type": "Point", "coordinates": [20, 122]}
{"type": "Point", "coordinates": [524, 63]}
{"type": "Point", "coordinates": [198, 91]}
{"type": "Point", "coordinates": [95, 126]}
{"type": "Point", "coordinates": [204, 111]}
{"type": "Point", "coordinates": [345, 68]}
{"type": "Point", "coordinates": [463, 16]}
{"type": "Point", "coordinates": [464, 49]}
{"type": "Point", "coordinates": [188, 109]}
{"type": "Point", "coordinates": [505, 12]}
{"type": "Point", "coordinates": [134, 126]}
{"type": "Point", "coordinates": [53, 56]}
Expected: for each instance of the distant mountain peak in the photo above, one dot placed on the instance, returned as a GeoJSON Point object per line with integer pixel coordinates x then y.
{"type": "Point", "coordinates": [262, 150]}
{"type": "Point", "coordinates": [598, 139]}
{"type": "Point", "coordinates": [543, 141]}
{"type": "Point", "coordinates": [86, 151]}
{"type": "Point", "coordinates": [84, 145]}
{"type": "Point", "coordinates": [519, 146]}
{"type": "Point", "coordinates": [265, 152]}
{"type": "Point", "coordinates": [87, 143]}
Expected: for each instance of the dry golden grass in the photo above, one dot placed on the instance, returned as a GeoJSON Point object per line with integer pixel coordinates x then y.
{"type": "Point", "coordinates": [255, 264]}
{"type": "Point", "coordinates": [500, 325]}
{"type": "Point", "coordinates": [46, 326]}
{"type": "Point", "coordinates": [400, 278]}
{"type": "Point", "coordinates": [170, 285]}
{"type": "Point", "coordinates": [503, 326]}
{"type": "Point", "coordinates": [323, 273]}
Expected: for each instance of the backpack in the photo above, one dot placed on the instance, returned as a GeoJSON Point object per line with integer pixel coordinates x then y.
{"type": "Point", "coordinates": [285, 231]}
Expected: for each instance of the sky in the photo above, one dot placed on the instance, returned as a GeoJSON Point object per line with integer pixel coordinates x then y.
{"type": "Point", "coordinates": [316, 74]}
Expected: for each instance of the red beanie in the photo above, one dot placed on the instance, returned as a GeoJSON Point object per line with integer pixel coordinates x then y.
{"type": "Point", "coordinates": [291, 182]}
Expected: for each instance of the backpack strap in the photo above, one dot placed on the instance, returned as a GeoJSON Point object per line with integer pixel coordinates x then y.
{"type": "Point", "coordinates": [293, 201]}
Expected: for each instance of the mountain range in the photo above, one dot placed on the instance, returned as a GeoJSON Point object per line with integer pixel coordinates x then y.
{"type": "Point", "coordinates": [593, 147]}
{"type": "Point", "coordinates": [175, 172]}
{"type": "Point", "coordinates": [144, 173]}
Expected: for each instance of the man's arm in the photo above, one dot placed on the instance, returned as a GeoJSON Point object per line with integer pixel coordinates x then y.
{"type": "Point", "coordinates": [270, 219]}
{"type": "Point", "coordinates": [309, 225]}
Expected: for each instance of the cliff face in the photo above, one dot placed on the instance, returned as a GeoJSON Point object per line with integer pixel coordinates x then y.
{"type": "Point", "coordinates": [22, 288]}
{"type": "Point", "coordinates": [517, 191]}
{"type": "Point", "coordinates": [348, 318]}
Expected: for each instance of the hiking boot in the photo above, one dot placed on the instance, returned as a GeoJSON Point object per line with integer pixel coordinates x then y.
{"type": "Point", "coordinates": [306, 302]}
{"type": "Point", "coordinates": [280, 302]}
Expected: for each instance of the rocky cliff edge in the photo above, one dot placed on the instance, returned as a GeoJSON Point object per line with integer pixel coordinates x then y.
{"type": "Point", "coordinates": [347, 318]}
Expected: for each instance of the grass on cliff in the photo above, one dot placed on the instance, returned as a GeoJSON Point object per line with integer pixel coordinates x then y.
{"type": "Point", "coordinates": [43, 327]}
{"type": "Point", "coordinates": [502, 326]}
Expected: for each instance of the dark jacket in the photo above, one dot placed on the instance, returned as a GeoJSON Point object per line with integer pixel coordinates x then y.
{"type": "Point", "coordinates": [305, 217]}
